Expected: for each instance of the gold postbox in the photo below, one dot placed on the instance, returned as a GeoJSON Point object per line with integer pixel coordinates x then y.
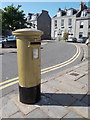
{"type": "Point", "coordinates": [29, 70]}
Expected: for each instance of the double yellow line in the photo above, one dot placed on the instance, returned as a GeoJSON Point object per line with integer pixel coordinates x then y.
{"type": "Point", "coordinates": [43, 71]}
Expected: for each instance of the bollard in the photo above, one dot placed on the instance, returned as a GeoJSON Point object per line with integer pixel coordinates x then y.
{"type": "Point", "coordinates": [28, 57]}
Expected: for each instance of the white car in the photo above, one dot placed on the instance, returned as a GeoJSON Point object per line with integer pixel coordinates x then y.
{"type": "Point", "coordinates": [72, 39]}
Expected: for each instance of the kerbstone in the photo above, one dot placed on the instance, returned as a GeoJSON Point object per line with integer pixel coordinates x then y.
{"type": "Point", "coordinates": [82, 69]}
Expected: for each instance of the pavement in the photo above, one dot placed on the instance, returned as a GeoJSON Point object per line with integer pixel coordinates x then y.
{"type": "Point", "coordinates": [64, 95]}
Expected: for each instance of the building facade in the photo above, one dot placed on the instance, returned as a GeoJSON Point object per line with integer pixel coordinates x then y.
{"type": "Point", "coordinates": [75, 22]}
{"type": "Point", "coordinates": [40, 21]}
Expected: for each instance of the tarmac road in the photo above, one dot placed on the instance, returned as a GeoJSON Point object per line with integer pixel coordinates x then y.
{"type": "Point", "coordinates": [52, 55]}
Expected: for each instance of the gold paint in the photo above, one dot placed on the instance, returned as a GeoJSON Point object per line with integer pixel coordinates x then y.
{"type": "Point", "coordinates": [28, 68]}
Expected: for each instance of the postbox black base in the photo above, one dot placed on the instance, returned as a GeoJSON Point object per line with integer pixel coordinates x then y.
{"type": "Point", "coordinates": [29, 95]}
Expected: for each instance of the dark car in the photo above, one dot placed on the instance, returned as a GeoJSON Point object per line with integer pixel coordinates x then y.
{"type": "Point", "coordinates": [10, 41]}
{"type": "Point", "coordinates": [1, 39]}
{"type": "Point", "coordinates": [82, 39]}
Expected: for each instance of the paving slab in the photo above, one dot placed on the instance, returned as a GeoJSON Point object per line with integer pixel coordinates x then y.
{"type": "Point", "coordinates": [45, 101]}
{"type": "Point", "coordinates": [37, 113]}
{"type": "Point", "coordinates": [70, 82]}
{"type": "Point", "coordinates": [80, 108]}
{"type": "Point", "coordinates": [55, 111]}
{"type": "Point", "coordinates": [84, 80]}
{"type": "Point", "coordinates": [46, 88]}
{"type": "Point", "coordinates": [74, 75]}
{"type": "Point", "coordinates": [9, 109]}
{"type": "Point", "coordinates": [85, 99]}
{"type": "Point", "coordinates": [72, 115]}
{"type": "Point", "coordinates": [63, 99]}
{"type": "Point", "coordinates": [4, 100]}
{"type": "Point", "coordinates": [72, 90]}
{"type": "Point", "coordinates": [24, 108]}
{"type": "Point", "coordinates": [17, 115]}
{"type": "Point", "coordinates": [54, 84]}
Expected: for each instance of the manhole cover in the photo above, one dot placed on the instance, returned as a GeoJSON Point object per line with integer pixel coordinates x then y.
{"type": "Point", "coordinates": [74, 74]}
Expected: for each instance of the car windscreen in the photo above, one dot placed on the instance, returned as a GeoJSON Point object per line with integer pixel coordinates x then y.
{"type": "Point", "coordinates": [11, 38]}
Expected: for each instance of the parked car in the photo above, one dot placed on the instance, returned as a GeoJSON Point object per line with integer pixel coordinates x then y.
{"type": "Point", "coordinates": [10, 41]}
{"type": "Point", "coordinates": [82, 39]}
{"type": "Point", "coordinates": [72, 39]}
{"type": "Point", "coordinates": [1, 39]}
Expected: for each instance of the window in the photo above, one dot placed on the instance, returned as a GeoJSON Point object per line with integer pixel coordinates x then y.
{"type": "Point", "coordinates": [84, 13]}
{"type": "Point", "coordinates": [81, 24]}
{"type": "Point", "coordinates": [59, 14]}
{"type": "Point", "coordinates": [55, 23]}
{"type": "Point", "coordinates": [80, 34]}
{"type": "Point", "coordinates": [89, 24]}
{"type": "Point", "coordinates": [62, 22]}
{"type": "Point", "coordinates": [69, 12]}
{"type": "Point", "coordinates": [69, 21]}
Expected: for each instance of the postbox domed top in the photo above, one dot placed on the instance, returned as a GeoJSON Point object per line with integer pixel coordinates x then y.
{"type": "Point", "coordinates": [27, 32]}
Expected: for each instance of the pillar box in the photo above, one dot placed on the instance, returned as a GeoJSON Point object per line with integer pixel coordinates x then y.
{"type": "Point", "coordinates": [28, 57]}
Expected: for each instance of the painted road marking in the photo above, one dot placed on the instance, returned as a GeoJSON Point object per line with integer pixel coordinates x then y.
{"type": "Point", "coordinates": [43, 71]}
{"type": "Point", "coordinates": [63, 62]}
{"type": "Point", "coordinates": [62, 65]}
{"type": "Point", "coordinates": [2, 83]}
{"type": "Point", "coordinates": [7, 85]}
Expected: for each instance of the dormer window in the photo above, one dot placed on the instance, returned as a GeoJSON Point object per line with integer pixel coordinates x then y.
{"type": "Point", "coordinates": [33, 17]}
{"type": "Point", "coordinates": [84, 13]}
{"type": "Point", "coordinates": [69, 12]}
{"type": "Point", "coordinates": [59, 14]}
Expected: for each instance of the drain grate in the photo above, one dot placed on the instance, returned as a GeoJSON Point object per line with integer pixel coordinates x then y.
{"type": "Point", "coordinates": [74, 74]}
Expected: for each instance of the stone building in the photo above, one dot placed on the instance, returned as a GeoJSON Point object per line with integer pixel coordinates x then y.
{"type": "Point", "coordinates": [83, 21]}
{"type": "Point", "coordinates": [75, 22]}
{"type": "Point", "coordinates": [40, 21]}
